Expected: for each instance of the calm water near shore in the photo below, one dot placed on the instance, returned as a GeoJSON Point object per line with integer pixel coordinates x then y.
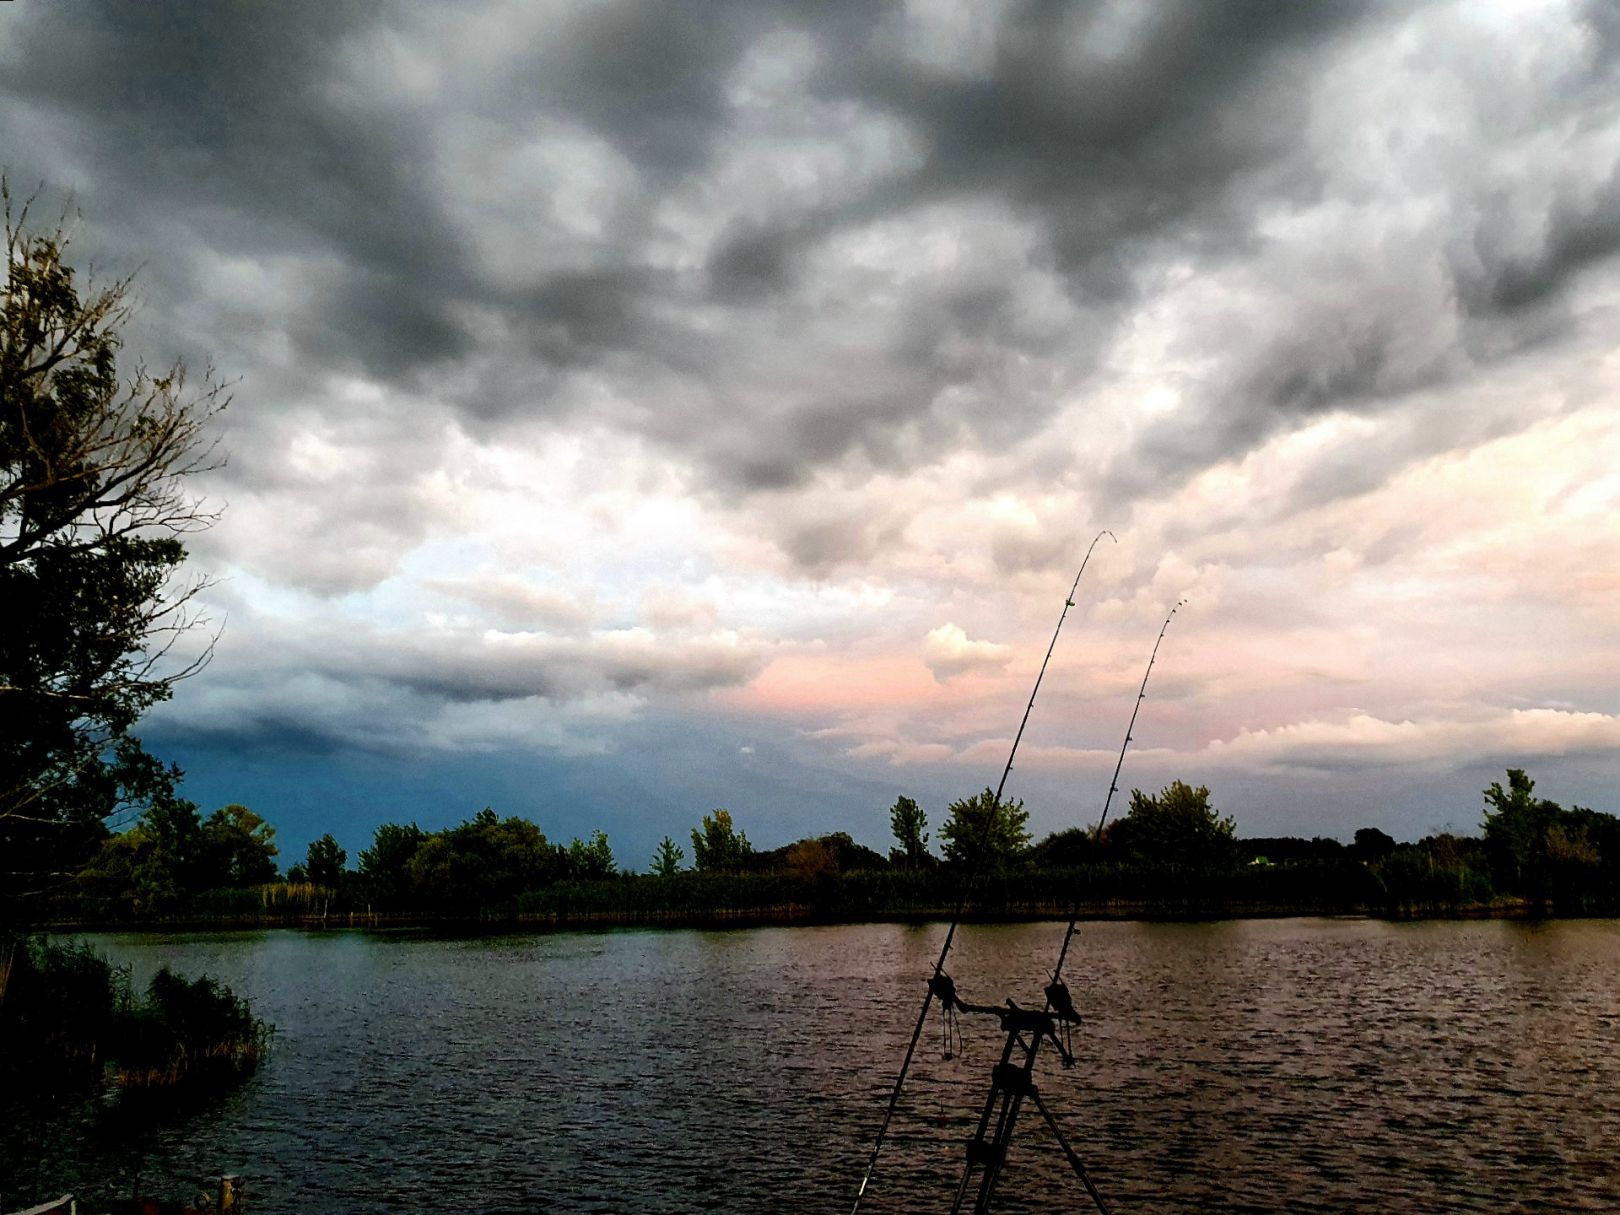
{"type": "Point", "coordinates": [1281, 1065]}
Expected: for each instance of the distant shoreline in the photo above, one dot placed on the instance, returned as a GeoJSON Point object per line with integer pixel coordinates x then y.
{"type": "Point", "coordinates": [801, 915]}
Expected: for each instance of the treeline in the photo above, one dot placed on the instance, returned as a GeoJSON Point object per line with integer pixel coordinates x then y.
{"type": "Point", "coordinates": [1169, 853]}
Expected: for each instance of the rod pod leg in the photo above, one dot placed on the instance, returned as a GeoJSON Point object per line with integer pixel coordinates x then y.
{"type": "Point", "coordinates": [1074, 1160]}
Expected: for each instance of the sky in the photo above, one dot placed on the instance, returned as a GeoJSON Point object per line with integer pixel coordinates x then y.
{"type": "Point", "coordinates": [644, 408]}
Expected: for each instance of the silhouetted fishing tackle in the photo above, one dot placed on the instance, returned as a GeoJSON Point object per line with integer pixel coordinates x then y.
{"type": "Point", "coordinates": [1012, 1077]}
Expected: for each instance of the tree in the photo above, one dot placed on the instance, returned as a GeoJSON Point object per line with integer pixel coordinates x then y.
{"type": "Point", "coordinates": [908, 822]}
{"type": "Point", "coordinates": [486, 862]}
{"type": "Point", "coordinates": [667, 860]}
{"type": "Point", "coordinates": [385, 866]}
{"type": "Point", "coordinates": [1516, 828]}
{"type": "Point", "coordinates": [93, 509]}
{"type": "Point", "coordinates": [1538, 849]}
{"type": "Point", "coordinates": [324, 862]}
{"type": "Point", "coordinates": [158, 862]}
{"type": "Point", "coordinates": [1178, 826]}
{"type": "Point", "coordinates": [1371, 844]}
{"type": "Point", "coordinates": [979, 832]}
{"type": "Point", "coordinates": [238, 848]}
{"type": "Point", "coordinates": [1066, 849]}
{"type": "Point", "coordinates": [811, 860]}
{"type": "Point", "coordinates": [718, 846]}
{"type": "Point", "coordinates": [591, 861]}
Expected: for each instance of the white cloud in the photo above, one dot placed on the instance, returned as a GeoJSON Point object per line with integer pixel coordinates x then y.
{"type": "Point", "coordinates": [1362, 740]}
{"type": "Point", "coordinates": [949, 652]}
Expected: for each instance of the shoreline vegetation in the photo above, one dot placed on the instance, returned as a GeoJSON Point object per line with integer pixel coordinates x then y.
{"type": "Point", "coordinates": [1170, 856]}
{"type": "Point", "coordinates": [808, 915]}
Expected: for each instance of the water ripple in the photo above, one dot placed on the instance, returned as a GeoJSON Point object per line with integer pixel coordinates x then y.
{"type": "Point", "coordinates": [1261, 1066]}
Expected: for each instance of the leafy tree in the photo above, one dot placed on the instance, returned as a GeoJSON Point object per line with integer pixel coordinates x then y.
{"type": "Point", "coordinates": [1066, 849]}
{"type": "Point", "coordinates": [159, 861]}
{"type": "Point", "coordinates": [718, 846]}
{"type": "Point", "coordinates": [93, 510]}
{"type": "Point", "coordinates": [811, 860]}
{"type": "Point", "coordinates": [1517, 826]}
{"type": "Point", "coordinates": [1538, 849]}
{"type": "Point", "coordinates": [486, 862]}
{"type": "Point", "coordinates": [238, 848]}
{"type": "Point", "coordinates": [176, 833]}
{"type": "Point", "coordinates": [667, 860]}
{"type": "Point", "coordinates": [909, 823]}
{"type": "Point", "coordinates": [385, 866]}
{"type": "Point", "coordinates": [841, 850]}
{"type": "Point", "coordinates": [324, 862]}
{"type": "Point", "coordinates": [1371, 844]}
{"type": "Point", "coordinates": [979, 832]}
{"type": "Point", "coordinates": [591, 861]}
{"type": "Point", "coordinates": [1178, 825]}
{"type": "Point", "coordinates": [155, 864]}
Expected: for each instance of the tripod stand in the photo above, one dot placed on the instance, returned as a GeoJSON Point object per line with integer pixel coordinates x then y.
{"type": "Point", "coordinates": [1012, 1081]}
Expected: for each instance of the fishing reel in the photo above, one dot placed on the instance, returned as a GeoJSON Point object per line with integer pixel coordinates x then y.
{"type": "Point", "coordinates": [944, 989]}
{"type": "Point", "coordinates": [1064, 1016]}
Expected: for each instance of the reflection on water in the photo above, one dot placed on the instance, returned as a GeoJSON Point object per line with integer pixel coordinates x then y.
{"type": "Point", "coordinates": [1291, 1065]}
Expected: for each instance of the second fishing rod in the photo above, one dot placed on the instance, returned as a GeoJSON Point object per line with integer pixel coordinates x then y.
{"type": "Point", "coordinates": [938, 977]}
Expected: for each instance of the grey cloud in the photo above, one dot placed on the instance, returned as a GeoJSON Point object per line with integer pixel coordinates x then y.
{"type": "Point", "coordinates": [518, 604]}
{"type": "Point", "coordinates": [648, 76]}
{"type": "Point", "coordinates": [752, 261]}
{"type": "Point", "coordinates": [1574, 235]}
{"type": "Point", "coordinates": [1021, 549]}
{"type": "Point", "coordinates": [837, 538]}
{"type": "Point", "coordinates": [235, 117]}
{"type": "Point", "coordinates": [517, 667]}
{"type": "Point", "coordinates": [766, 351]}
{"type": "Point", "coordinates": [1118, 141]}
{"type": "Point", "coordinates": [578, 317]}
{"type": "Point", "coordinates": [256, 127]}
{"type": "Point", "coordinates": [326, 504]}
{"type": "Point", "coordinates": [348, 680]}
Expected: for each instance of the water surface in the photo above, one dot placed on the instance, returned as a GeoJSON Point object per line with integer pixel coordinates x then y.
{"type": "Point", "coordinates": [1285, 1065]}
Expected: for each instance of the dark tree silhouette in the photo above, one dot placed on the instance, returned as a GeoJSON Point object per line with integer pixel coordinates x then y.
{"type": "Point", "coordinates": [94, 506]}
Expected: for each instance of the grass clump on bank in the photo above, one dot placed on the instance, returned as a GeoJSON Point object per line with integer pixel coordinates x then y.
{"type": "Point", "coordinates": [187, 1032]}
{"type": "Point", "coordinates": [71, 1024]}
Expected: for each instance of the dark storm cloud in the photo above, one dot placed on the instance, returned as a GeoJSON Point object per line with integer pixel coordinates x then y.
{"type": "Point", "coordinates": [1576, 233]}
{"type": "Point", "coordinates": [1106, 152]}
{"type": "Point", "coordinates": [1118, 143]}
{"type": "Point", "coordinates": [251, 122]}
{"type": "Point", "coordinates": [650, 77]}
{"type": "Point", "coordinates": [1116, 139]}
{"type": "Point", "coordinates": [236, 117]}
{"type": "Point", "coordinates": [463, 668]}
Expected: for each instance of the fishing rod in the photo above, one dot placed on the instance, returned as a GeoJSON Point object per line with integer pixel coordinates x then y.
{"type": "Point", "coordinates": [939, 984]}
{"type": "Point", "coordinates": [1012, 1080]}
{"type": "Point", "coordinates": [1113, 784]}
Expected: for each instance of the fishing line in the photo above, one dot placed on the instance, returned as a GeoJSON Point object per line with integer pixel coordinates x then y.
{"type": "Point", "coordinates": [939, 978]}
{"type": "Point", "coordinates": [1113, 787]}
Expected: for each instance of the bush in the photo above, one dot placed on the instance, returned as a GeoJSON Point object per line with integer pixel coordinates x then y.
{"type": "Point", "coordinates": [188, 1031]}
{"type": "Point", "coordinates": [68, 1020]}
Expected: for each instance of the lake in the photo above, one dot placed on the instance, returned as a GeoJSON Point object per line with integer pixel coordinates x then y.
{"type": "Point", "coordinates": [1266, 1065]}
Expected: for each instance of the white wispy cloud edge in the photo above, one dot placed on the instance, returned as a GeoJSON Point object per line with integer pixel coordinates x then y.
{"type": "Point", "coordinates": [1356, 740]}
